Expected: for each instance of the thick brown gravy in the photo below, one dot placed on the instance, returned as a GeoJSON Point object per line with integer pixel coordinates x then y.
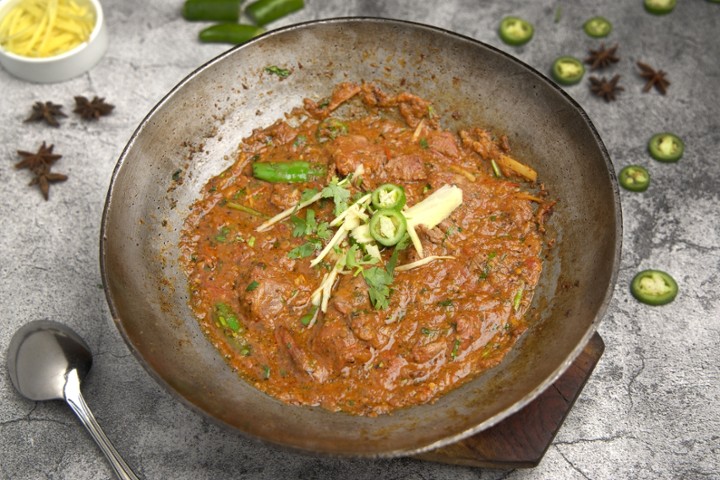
{"type": "Point", "coordinates": [445, 322]}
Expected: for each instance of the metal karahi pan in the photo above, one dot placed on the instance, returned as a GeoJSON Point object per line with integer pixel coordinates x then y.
{"type": "Point", "coordinates": [192, 135]}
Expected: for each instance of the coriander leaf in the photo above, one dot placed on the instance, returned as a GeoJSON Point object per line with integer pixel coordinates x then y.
{"type": "Point", "coordinates": [338, 193]}
{"type": "Point", "coordinates": [401, 245]}
{"type": "Point", "coordinates": [378, 281]}
{"type": "Point", "coordinates": [298, 226]}
{"type": "Point", "coordinates": [280, 72]}
{"type": "Point", "coordinates": [323, 231]}
{"type": "Point", "coordinates": [252, 286]}
{"type": "Point", "coordinates": [310, 223]}
{"type": "Point", "coordinates": [222, 234]}
{"type": "Point", "coordinates": [306, 226]}
{"type": "Point", "coordinates": [305, 250]}
{"type": "Point", "coordinates": [307, 194]}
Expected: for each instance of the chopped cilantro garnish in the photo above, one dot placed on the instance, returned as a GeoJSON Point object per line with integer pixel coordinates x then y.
{"type": "Point", "coordinates": [338, 193]}
{"type": "Point", "coordinates": [305, 250]}
{"type": "Point", "coordinates": [445, 303]}
{"type": "Point", "coordinates": [306, 226]}
{"type": "Point", "coordinates": [307, 194]}
{"type": "Point", "coordinates": [378, 281]}
{"type": "Point", "coordinates": [323, 231]}
{"type": "Point", "coordinates": [423, 143]}
{"type": "Point", "coordinates": [222, 234]}
{"type": "Point", "coordinates": [352, 262]}
{"type": "Point", "coordinates": [280, 72]}
{"type": "Point", "coordinates": [252, 286]}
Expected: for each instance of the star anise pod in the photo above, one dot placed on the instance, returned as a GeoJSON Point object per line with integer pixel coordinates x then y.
{"type": "Point", "coordinates": [602, 57]}
{"type": "Point", "coordinates": [44, 177]}
{"type": "Point", "coordinates": [44, 157]}
{"type": "Point", "coordinates": [653, 78]}
{"type": "Point", "coordinates": [92, 109]}
{"type": "Point", "coordinates": [604, 88]}
{"type": "Point", "coordinates": [47, 112]}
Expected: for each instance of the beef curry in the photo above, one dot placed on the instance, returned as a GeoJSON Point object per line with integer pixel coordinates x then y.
{"type": "Point", "coordinates": [358, 257]}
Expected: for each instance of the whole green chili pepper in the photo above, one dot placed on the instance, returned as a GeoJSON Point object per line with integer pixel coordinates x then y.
{"type": "Point", "coordinates": [287, 172]}
{"type": "Point", "coordinates": [263, 12]}
{"type": "Point", "coordinates": [229, 33]}
{"type": "Point", "coordinates": [212, 10]}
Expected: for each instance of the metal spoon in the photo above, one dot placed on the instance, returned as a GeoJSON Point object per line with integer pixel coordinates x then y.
{"type": "Point", "coordinates": [47, 361]}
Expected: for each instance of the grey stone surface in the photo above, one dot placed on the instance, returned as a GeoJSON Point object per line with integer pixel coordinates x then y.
{"type": "Point", "coordinates": [651, 410]}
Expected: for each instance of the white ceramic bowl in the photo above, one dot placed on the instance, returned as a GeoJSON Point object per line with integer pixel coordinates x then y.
{"type": "Point", "coordinates": [63, 66]}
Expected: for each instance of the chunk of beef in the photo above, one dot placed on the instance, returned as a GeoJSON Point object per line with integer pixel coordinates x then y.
{"type": "Point", "coordinates": [482, 142]}
{"type": "Point", "coordinates": [412, 108]}
{"type": "Point", "coordinates": [284, 195]}
{"type": "Point", "coordinates": [336, 345]}
{"type": "Point", "coordinates": [444, 143]}
{"type": "Point", "coordinates": [350, 151]}
{"type": "Point", "coordinates": [301, 359]}
{"type": "Point", "coordinates": [425, 353]}
{"type": "Point", "coordinates": [343, 93]}
{"type": "Point", "coordinates": [406, 168]}
{"type": "Point", "coordinates": [264, 302]}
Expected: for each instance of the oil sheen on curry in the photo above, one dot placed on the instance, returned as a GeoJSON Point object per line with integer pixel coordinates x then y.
{"type": "Point", "coordinates": [358, 257]}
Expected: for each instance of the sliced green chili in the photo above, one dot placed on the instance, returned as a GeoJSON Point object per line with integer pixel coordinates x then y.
{"type": "Point", "coordinates": [242, 208]}
{"type": "Point", "coordinates": [265, 11]}
{"type": "Point", "coordinates": [660, 7]}
{"type": "Point", "coordinates": [654, 287]}
{"type": "Point", "coordinates": [496, 169]}
{"type": "Point", "coordinates": [389, 196]}
{"type": "Point", "coordinates": [666, 147]}
{"type": "Point", "coordinates": [634, 178]}
{"type": "Point", "coordinates": [597, 27]}
{"type": "Point", "coordinates": [456, 349]}
{"type": "Point", "coordinates": [227, 318]}
{"type": "Point", "coordinates": [307, 318]}
{"type": "Point", "coordinates": [232, 33]}
{"type": "Point", "coordinates": [212, 10]}
{"type": "Point", "coordinates": [287, 172]}
{"type": "Point", "coordinates": [515, 31]}
{"type": "Point", "coordinates": [568, 70]}
{"type": "Point", "coordinates": [388, 227]}
{"type": "Point", "coordinates": [517, 299]}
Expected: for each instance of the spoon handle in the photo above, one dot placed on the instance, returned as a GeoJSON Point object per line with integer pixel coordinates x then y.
{"type": "Point", "coordinates": [74, 398]}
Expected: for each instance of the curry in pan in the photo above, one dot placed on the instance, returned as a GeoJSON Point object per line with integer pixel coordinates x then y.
{"type": "Point", "coordinates": [358, 257]}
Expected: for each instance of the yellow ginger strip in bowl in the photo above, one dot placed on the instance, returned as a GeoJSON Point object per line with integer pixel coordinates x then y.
{"type": "Point", "coordinates": [45, 28]}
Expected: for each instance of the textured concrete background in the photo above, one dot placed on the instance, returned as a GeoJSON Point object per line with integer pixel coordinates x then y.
{"type": "Point", "coordinates": [651, 409]}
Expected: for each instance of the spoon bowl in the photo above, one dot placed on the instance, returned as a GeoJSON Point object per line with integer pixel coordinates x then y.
{"type": "Point", "coordinates": [47, 361]}
{"type": "Point", "coordinates": [41, 354]}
